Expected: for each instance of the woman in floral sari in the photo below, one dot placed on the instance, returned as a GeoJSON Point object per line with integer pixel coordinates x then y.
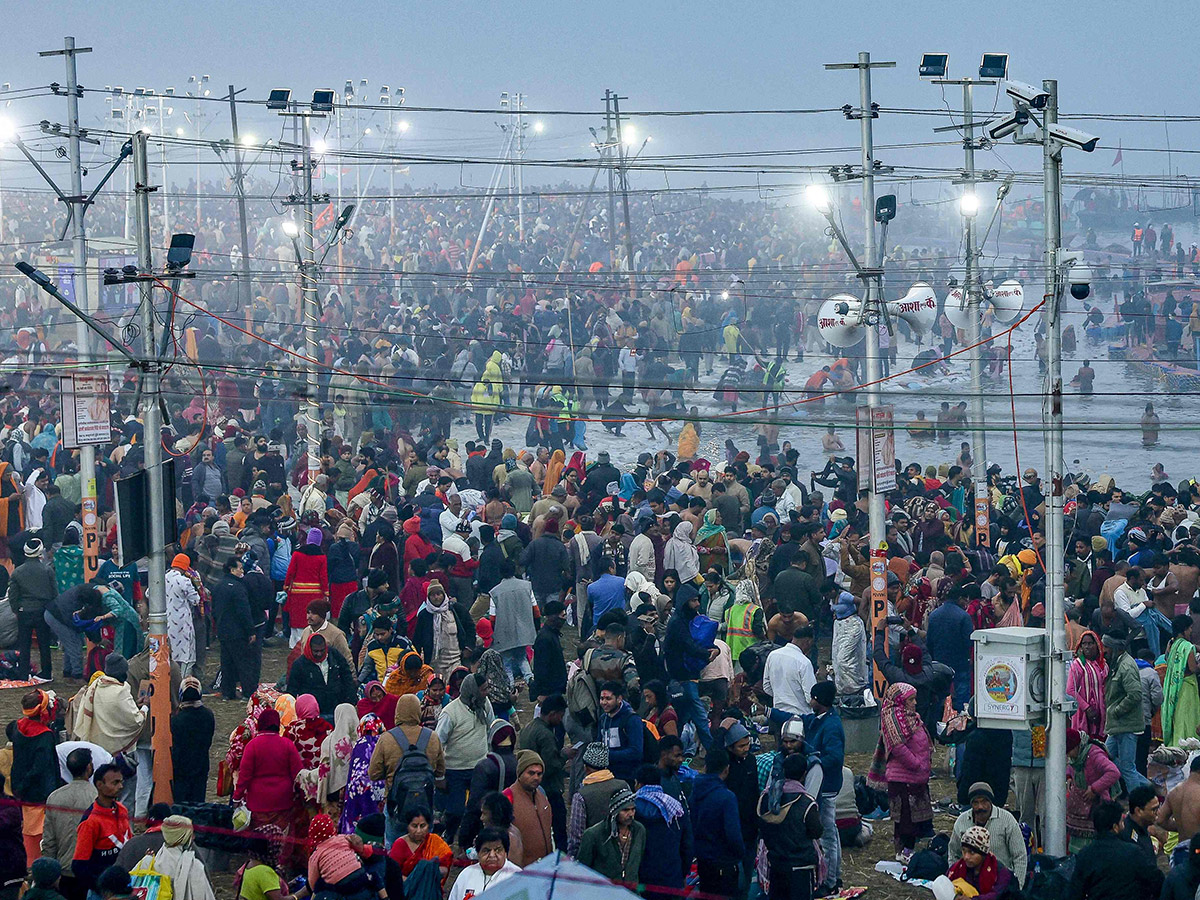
{"type": "Point", "coordinates": [307, 731]}
{"type": "Point", "coordinates": [363, 796]}
{"type": "Point", "coordinates": [712, 542]}
{"type": "Point", "coordinates": [1085, 682]}
{"type": "Point", "coordinates": [1181, 698]}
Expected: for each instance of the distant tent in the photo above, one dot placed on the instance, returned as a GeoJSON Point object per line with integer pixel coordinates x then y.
{"type": "Point", "coordinates": [557, 876]}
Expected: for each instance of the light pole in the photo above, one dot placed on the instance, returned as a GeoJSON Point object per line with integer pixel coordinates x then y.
{"type": "Point", "coordinates": [1028, 103]}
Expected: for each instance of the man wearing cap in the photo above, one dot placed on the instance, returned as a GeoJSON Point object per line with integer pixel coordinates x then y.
{"type": "Point", "coordinates": [544, 736]}
{"type": "Point", "coordinates": [601, 474]}
{"type": "Point", "coordinates": [1123, 720]}
{"type": "Point", "coordinates": [1007, 842]}
{"type": "Point", "coordinates": [531, 808]}
{"type": "Point", "coordinates": [590, 803]}
{"type": "Point", "coordinates": [825, 741]}
{"type": "Point", "coordinates": [30, 588]}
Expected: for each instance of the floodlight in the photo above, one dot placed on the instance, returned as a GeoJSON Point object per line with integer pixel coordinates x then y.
{"type": "Point", "coordinates": [248, 140]}
{"type": "Point", "coordinates": [180, 252]}
{"type": "Point", "coordinates": [8, 130]}
{"type": "Point", "coordinates": [179, 131]}
{"type": "Point", "coordinates": [934, 65]}
{"type": "Point", "coordinates": [968, 204]}
{"type": "Point", "coordinates": [402, 126]}
{"type": "Point", "coordinates": [630, 135]}
{"type": "Point", "coordinates": [319, 146]}
{"type": "Point", "coordinates": [290, 228]}
{"type": "Point", "coordinates": [344, 217]}
{"type": "Point", "coordinates": [818, 197]}
{"type": "Point", "coordinates": [994, 66]}
{"type": "Point", "coordinates": [539, 127]}
{"type": "Point", "coordinates": [278, 98]}
{"type": "Point", "coordinates": [885, 208]}
{"type": "Point", "coordinates": [322, 101]}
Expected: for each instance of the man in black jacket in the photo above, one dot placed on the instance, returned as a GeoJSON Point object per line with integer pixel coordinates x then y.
{"type": "Point", "coordinates": [487, 575]}
{"type": "Point", "coordinates": [682, 654]}
{"type": "Point", "coordinates": [237, 631]}
{"type": "Point", "coordinates": [549, 667]}
{"type": "Point", "coordinates": [323, 674]}
{"type": "Point", "coordinates": [1112, 867]}
{"type": "Point", "coordinates": [601, 475]}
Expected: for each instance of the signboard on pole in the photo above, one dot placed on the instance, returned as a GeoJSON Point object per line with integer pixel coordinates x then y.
{"type": "Point", "coordinates": [883, 449]}
{"type": "Point", "coordinates": [87, 410]}
{"type": "Point", "coordinates": [983, 534]}
{"type": "Point", "coordinates": [875, 444]}
{"type": "Point", "coordinates": [879, 611]}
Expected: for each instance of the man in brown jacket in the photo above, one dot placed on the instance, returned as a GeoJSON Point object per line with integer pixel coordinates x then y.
{"type": "Point", "coordinates": [387, 755]}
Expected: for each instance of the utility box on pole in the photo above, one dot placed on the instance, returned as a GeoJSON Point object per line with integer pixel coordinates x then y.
{"type": "Point", "coordinates": [1010, 677]}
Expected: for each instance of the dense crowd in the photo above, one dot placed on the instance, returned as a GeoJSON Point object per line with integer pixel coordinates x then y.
{"type": "Point", "coordinates": [435, 710]}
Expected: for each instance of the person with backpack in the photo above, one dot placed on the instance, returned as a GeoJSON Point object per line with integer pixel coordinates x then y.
{"type": "Point", "coordinates": [496, 771]}
{"type": "Point", "coordinates": [410, 759]}
{"type": "Point", "coordinates": [685, 659]}
{"type": "Point", "coordinates": [790, 827]}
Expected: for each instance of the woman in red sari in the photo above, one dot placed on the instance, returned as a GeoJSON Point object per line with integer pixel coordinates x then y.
{"type": "Point", "coordinates": [420, 845]}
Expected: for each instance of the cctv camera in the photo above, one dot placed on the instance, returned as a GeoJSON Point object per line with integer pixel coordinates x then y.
{"type": "Point", "coordinates": [1073, 137]}
{"type": "Point", "coordinates": [1027, 93]}
{"type": "Point", "coordinates": [1002, 128]}
{"type": "Point", "coordinates": [1080, 279]}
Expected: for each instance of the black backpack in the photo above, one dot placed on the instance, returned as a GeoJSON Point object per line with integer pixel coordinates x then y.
{"type": "Point", "coordinates": [931, 862]}
{"type": "Point", "coordinates": [413, 781]}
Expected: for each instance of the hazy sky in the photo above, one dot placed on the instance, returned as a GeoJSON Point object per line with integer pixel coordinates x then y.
{"type": "Point", "coordinates": [1108, 57]}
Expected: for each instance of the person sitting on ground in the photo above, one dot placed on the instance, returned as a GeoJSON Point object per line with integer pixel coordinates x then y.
{"type": "Point", "coordinates": [1007, 843]}
{"type": "Point", "coordinates": [977, 873]}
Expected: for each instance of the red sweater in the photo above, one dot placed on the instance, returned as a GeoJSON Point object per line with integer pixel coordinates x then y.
{"type": "Point", "coordinates": [267, 774]}
{"type": "Point", "coordinates": [98, 840]}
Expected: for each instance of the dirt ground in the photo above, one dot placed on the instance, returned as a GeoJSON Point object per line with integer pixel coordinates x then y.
{"type": "Point", "coordinates": [858, 866]}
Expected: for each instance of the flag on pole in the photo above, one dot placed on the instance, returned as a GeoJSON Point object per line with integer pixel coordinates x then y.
{"type": "Point", "coordinates": [325, 217]}
{"type": "Point", "coordinates": [1117, 159]}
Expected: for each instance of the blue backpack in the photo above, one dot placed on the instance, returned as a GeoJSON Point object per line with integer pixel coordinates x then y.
{"type": "Point", "coordinates": [281, 558]}
{"type": "Point", "coordinates": [704, 633]}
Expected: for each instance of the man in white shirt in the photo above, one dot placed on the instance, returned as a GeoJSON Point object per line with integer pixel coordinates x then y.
{"type": "Point", "coordinates": [1131, 597]}
{"type": "Point", "coordinates": [789, 677]}
{"type": "Point", "coordinates": [451, 515]}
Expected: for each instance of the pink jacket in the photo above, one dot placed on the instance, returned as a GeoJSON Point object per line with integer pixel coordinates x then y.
{"type": "Point", "coordinates": [268, 772]}
{"type": "Point", "coordinates": [1100, 772]}
{"type": "Point", "coordinates": [908, 763]}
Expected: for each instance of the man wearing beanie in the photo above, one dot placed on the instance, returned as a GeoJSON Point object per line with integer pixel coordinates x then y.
{"type": "Point", "coordinates": [589, 805]}
{"type": "Point", "coordinates": [531, 808]}
{"type": "Point", "coordinates": [30, 588]}
{"type": "Point", "coordinates": [826, 745]}
{"type": "Point", "coordinates": [1007, 841]}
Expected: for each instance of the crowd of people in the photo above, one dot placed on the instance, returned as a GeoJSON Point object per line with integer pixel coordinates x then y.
{"type": "Point", "coordinates": [497, 650]}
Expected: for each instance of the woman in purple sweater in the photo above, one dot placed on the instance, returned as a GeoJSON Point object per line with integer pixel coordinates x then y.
{"type": "Point", "coordinates": [266, 777]}
{"type": "Point", "coordinates": [902, 766]}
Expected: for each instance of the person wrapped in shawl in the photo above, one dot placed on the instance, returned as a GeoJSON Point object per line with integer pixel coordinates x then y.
{"type": "Point", "coordinates": [978, 873]}
{"type": "Point", "coordinates": [378, 702]}
{"type": "Point", "coordinates": [901, 766]}
{"type": "Point", "coordinates": [712, 542]}
{"type": "Point", "coordinates": [1181, 697]}
{"type": "Point", "coordinates": [260, 701]}
{"type": "Point", "coordinates": [328, 778]}
{"type": "Point", "coordinates": [1090, 777]}
{"type": "Point", "coordinates": [1086, 677]}
{"type": "Point", "coordinates": [363, 797]}
{"type": "Point", "coordinates": [308, 730]}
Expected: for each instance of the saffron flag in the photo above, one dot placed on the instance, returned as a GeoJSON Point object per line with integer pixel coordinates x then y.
{"type": "Point", "coordinates": [325, 217]}
{"type": "Point", "coordinates": [1117, 159]}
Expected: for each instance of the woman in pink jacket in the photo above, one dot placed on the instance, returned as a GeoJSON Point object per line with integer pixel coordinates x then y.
{"type": "Point", "coordinates": [266, 778]}
{"type": "Point", "coordinates": [1090, 777]}
{"type": "Point", "coordinates": [902, 766]}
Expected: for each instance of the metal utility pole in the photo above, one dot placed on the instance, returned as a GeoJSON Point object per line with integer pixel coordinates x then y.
{"type": "Point", "coordinates": [520, 138]}
{"type": "Point", "coordinates": [83, 338]}
{"type": "Point", "coordinates": [612, 207]}
{"type": "Point", "coordinates": [624, 195]}
{"type": "Point", "coordinates": [239, 177]}
{"type": "Point", "coordinates": [872, 274]}
{"type": "Point", "coordinates": [308, 289]}
{"type": "Point", "coordinates": [156, 583]}
{"type": "Point", "coordinates": [1056, 734]}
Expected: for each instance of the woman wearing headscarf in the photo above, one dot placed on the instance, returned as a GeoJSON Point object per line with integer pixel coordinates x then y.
{"type": "Point", "coordinates": [554, 470]}
{"type": "Point", "coordinates": [615, 847]}
{"type": "Point", "coordinates": [629, 487]}
{"type": "Point", "coordinates": [384, 555]}
{"type": "Point", "coordinates": [259, 702]}
{"type": "Point", "coordinates": [177, 860]}
{"type": "Point", "coordinates": [333, 770]}
{"type": "Point", "coordinates": [902, 766]}
{"type": "Point", "coordinates": [978, 869]}
{"type": "Point", "coordinates": [463, 729]}
{"type": "Point", "coordinates": [1181, 699]}
{"type": "Point", "coordinates": [192, 729]}
{"type": "Point", "coordinates": [1086, 678]}
{"type": "Point", "coordinates": [442, 630]}
{"type": "Point", "coordinates": [378, 702]}
{"type": "Point", "coordinates": [34, 765]}
{"type": "Point", "coordinates": [307, 580]}
{"type": "Point", "coordinates": [363, 796]}
{"type": "Point", "coordinates": [712, 542]}
{"type": "Point", "coordinates": [266, 778]}
{"type": "Point", "coordinates": [335, 864]}
{"type": "Point", "coordinates": [680, 553]}
{"type": "Point", "coordinates": [285, 705]}
{"type": "Point", "coordinates": [415, 544]}
{"type": "Point", "coordinates": [308, 730]}
{"type": "Point", "coordinates": [182, 600]}
{"type": "Point", "coordinates": [1091, 776]}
